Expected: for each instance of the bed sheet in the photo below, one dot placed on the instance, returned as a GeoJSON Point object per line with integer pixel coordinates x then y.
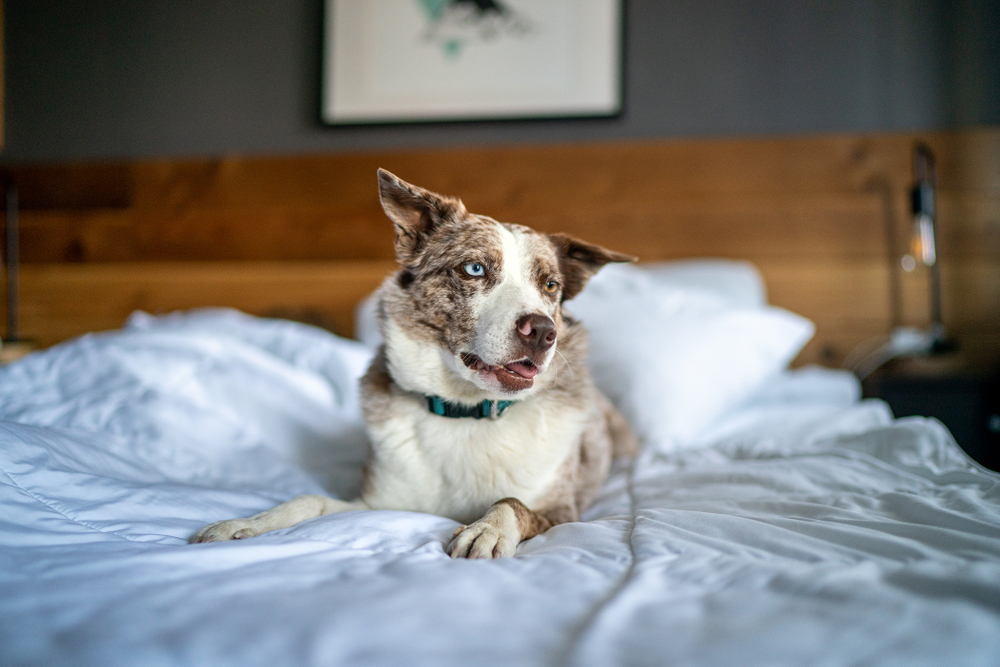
{"type": "Point", "coordinates": [804, 528]}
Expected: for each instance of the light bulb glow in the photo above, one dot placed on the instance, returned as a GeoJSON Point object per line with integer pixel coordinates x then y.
{"type": "Point", "coordinates": [922, 242]}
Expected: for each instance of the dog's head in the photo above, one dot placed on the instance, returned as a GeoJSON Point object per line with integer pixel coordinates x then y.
{"type": "Point", "coordinates": [486, 295]}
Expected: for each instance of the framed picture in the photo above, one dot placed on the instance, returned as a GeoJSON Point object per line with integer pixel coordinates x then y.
{"type": "Point", "coordinates": [430, 60]}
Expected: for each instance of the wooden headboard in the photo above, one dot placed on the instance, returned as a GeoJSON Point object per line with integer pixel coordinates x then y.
{"type": "Point", "coordinates": [824, 218]}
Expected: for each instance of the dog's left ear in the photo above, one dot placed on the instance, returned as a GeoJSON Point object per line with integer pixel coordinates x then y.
{"type": "Point", "coordinates": [579, 260]}
{"type": "Point", "coordinates": [415, 213]}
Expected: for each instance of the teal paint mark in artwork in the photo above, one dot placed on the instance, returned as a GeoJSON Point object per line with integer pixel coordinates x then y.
{"type": "Point", "coordinates": [452, 49]}
{"type": "Point", "coordinates": [433, 8]}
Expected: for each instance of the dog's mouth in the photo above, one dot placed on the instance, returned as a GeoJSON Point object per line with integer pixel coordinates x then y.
{"type": "Point", "coordinates": [512, 376]}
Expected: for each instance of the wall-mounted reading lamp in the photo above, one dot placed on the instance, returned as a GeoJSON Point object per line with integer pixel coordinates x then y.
{"type": "Point", "coordinates": [910, 341]}
{"type": "Point", "coordinates": [923, 242]}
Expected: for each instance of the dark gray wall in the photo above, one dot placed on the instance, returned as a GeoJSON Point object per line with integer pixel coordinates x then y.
{"type": "Point", "coordinates": [130, 78]}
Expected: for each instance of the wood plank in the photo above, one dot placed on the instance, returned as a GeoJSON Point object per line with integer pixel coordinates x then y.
{"type": "Point", "coordinates": [847, 293]}
{"type": "Point", "coordinates": [846, 226]}
{"type": "Point", "coordinates": [746, 227]}
{"type": "Point", "coordinates": [534, 177]}
{"type": "Point", "coordinates": [969, 225]}
{"type": "Point", "coordinates": [65, 300]}
{"type": "Point", "coordinates": [678, 198]}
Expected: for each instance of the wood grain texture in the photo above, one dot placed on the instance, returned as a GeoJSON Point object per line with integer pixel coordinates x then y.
{"type": "Point", "coordinates": [60, 299]}
{"type": "Point", "coordinates": [825, 219]}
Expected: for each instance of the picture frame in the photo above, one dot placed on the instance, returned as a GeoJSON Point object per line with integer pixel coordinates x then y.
{"type": "Point", "coordinates": [399, 61]}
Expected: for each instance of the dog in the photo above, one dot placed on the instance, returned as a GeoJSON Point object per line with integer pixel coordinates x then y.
{"type": "Point", "coordinates": [478, 405]}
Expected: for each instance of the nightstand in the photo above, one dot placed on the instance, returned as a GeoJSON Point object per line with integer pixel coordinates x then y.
{"type": "Point", "coordinates": [964, 397]}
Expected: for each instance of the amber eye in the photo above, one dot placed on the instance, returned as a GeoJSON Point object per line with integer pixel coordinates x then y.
{"type": "Point", "coordinates": [551, 287]}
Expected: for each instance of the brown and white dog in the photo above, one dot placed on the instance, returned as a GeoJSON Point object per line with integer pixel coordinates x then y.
{"type": "Point", "coordinates": [479, 405]}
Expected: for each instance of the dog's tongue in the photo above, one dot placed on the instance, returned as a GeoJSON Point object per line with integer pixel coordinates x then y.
{"type": "Point", "coordinates": [524, 369]}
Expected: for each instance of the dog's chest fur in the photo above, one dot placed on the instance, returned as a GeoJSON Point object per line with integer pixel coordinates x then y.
{"type": "Point", "coordinates": [459, 467]}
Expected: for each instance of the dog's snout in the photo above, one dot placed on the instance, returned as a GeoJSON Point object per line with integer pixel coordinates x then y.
{"type": "Point", "coordinates": [537, 331]}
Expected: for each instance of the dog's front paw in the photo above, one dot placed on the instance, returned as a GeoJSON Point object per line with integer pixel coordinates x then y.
{"type": "Point", "coordinates": [482, 539]}
{"type": "Point", "coordinates": [233, 529]}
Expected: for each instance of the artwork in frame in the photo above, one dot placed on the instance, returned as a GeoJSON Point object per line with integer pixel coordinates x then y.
{"type": "Point", "coordinates": [434, 60]}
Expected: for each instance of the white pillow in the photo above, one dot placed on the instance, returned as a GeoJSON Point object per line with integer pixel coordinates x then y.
{"type": "Point", "coordinates": [737, 282]}
{"type": "Point", "coordinates": [673, 358]}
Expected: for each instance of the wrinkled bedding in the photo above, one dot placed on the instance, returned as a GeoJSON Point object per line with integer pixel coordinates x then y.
{"type": "Point", "coordinates": [805, 527]}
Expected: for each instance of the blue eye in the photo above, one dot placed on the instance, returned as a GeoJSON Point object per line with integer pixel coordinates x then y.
{"type": "Point", "coordinates": [475, 269]}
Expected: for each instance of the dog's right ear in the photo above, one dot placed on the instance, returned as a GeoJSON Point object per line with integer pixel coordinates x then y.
{"type": "Point", "coordinates": [416, 213]}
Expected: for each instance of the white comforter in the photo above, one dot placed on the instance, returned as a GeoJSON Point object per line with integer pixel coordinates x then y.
{"type": "Point", "coordinates": [806, 528]}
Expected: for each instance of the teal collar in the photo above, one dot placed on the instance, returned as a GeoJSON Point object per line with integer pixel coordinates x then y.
{"type": "Point", "coordinates": [484, 410]}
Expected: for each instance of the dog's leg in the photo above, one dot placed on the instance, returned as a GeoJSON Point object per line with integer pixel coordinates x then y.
{"type": "Point", "coordinates": [506, 523]}
{"type": "Point", "coordinates": [284, 515]}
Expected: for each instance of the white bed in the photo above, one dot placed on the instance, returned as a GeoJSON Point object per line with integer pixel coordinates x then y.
{"type": "Point", "coordinates": [800, 526]}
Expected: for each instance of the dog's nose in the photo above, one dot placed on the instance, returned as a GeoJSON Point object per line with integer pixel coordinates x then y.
{"type": "Point", "coordinates": [537, 331]}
